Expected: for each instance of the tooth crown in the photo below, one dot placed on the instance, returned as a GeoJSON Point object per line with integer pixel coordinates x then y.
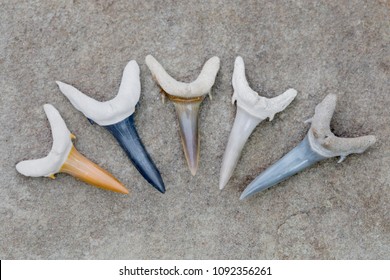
{"type": "Point", "coordinates": [251, 102]}
{"type": "Point", "coordinates": [201, 86]}
{"type": "Point", "coordinates": [115, 110]}
{"type": "Point", "coordinates": [324, 142]}
{"type": "Point", "coordinates": [60, 150]}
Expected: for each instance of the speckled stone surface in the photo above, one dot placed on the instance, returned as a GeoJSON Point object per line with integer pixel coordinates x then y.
{"type": "Point", "coordinates": [331, 211]}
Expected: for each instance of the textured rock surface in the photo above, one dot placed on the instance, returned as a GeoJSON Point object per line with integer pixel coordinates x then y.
{"type": "Point", "coordinates": [331, 211]}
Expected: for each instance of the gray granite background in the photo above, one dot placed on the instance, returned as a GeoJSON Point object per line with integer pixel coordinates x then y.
{"type": "Point", "coordinates": [331, 211]}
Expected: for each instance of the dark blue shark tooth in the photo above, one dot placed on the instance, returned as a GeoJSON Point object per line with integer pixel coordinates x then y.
{"type": "Point", "coordinates": [116, 116]}
{"type": "Point", "coordinates": [127, 136]}
{"type": "Point", "coordinates": [298, 159]}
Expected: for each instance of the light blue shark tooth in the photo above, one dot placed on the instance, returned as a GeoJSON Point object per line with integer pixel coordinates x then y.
{"type": "Point", "coordinates": [298, 159]}
{"type": "Point", "coordinates": [320, 143]}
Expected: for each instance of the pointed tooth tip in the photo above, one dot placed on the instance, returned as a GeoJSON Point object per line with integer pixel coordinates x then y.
{"type": "Point", "coordinates": [192, 164]}
{"type": "Point", "coordinates": [249, 191]}
{"type": "Point", "coordinates": [193, 170]}
{"type": "Point", "coordinates": [222, 183]}
{"type": "Point", "coordinates": [159, 187]}
{"type": "Point", "coordinates": [123, 190]}
{"type": "Point", "coordinates": [245, 195]}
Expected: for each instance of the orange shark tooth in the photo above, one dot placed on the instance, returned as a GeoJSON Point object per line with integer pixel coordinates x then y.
{"type": "Point", "coordinates": [64, 157]}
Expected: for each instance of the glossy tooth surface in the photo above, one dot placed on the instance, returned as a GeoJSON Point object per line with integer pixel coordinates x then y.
{"type": "Point", "coordinates": [299, 158]}
{"type": "Point", "coordinates": [82, 168]}
{"type": "Point", "coordinates": [187, 115]}
{"type": "Point", "coordinates": [244, 124]}
{"type": "Point", "coordinates": [126, 135]}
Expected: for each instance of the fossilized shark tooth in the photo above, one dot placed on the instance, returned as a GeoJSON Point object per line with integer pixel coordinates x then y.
{"type": "Point", "coordinates": [251, 110]}
{"type": "Point", "coordinates": [116, 115]}
{"type": "Point", "coordinates": [64, 157]}
{"type": "Point", "coordinates": [187, 98]}
{"type": "Point", "coordinates": [319, 144]}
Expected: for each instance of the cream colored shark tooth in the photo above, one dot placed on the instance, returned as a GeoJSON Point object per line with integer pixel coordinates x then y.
{"type": "Point", "coordinates": [116, 115]}
{"type": "Point", "coordinates": [187, 98]}
{"type": "Point", "coordinates": [319, 144]}
{"type": "Point", "coordinates": [251, 110]}
{"type": "Point", "coordinates": [64, 157]}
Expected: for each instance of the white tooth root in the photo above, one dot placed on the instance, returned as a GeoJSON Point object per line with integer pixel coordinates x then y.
{"type": "Point", "coordinates": [250, 100]}
{"type": "Point", "coordinates": [201, 86]}
{"type": "Point", "coordinates": [62, 144]}
{"type": "Point", "coordinates": [111, 111]}
{"type": "Point", "coordinates": [251, 110]}
{"type": "Point", "coordinates": [324, 142]}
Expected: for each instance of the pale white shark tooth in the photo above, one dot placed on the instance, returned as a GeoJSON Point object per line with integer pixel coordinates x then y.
{"type": "Point", "coordinates": [251, 110]}
{"type": "Point", "coordinates": [319, 144]}
{"type": "Point", "coordinates": [116, 115]}
{"type": "Point", "coordinates": [64, 157]}
{"type": "Point", "coordinates": [187, 98]}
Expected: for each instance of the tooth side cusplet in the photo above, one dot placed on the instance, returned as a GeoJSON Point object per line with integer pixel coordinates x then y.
{"type": "Point", "coordinates": [64, 157]}
{"type": "Point", "coordinates": [251, 110]}
{"type": "Point", "coordinates": [116, 115]}
{"type": "Point", "coordinates": [187, 98]}
{"type": "Point", "coordinates": [319, 144]}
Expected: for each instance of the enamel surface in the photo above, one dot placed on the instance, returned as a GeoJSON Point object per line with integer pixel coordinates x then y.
{"type": "Point", "coordinates": [201, 86]}
{"type": "Point", "coordinates": [82, 168]}
{"type": "Point", "coordinates": [187, 115]}
{"type": "Point", "coordinates": [320, 143]}
{"type": "Point", "coordinates": [243, 125]}
{"type": "Point", "coordinates": [62, 144]}
{"type": "Point", "coordinates": [127, 136]}
{"type": "Point", "coordinates": [296, 160]}
{"type": "Point", "coordinates": [251, 110]}
{"type": "Point", "coordinates": [114, 110]}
